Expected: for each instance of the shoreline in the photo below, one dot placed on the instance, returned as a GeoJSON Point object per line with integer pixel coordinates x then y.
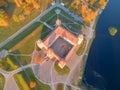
{"type": "Point", "coordinates": [85, 56]}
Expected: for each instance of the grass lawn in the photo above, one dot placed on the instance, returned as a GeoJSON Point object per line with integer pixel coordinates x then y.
{"type": "Point", "coordinates": [26, 76]}
{"type": "Point", "coordinates": [13, 27]}
{"type": "Point", "coordinates": [69, 87]}
{"type": "Point", "coordinates": [26, 46]}
{"type": "Point", "coordinates": [60, 71]}
{"type": "Point", "coordinates": [2, 82]}
{"type": "Point", "coordinates": [81, 48]}
{"type": "Point", "coordinates": [25, 43]}
{"type": "Point", "coordinates": [21, 60]}
{"type": "Point", "coordinates": [67, 20]}
{"type": "Point", "coordinates": [21, 36]}
{"type": "Point", "coordinates": [10, 63]}
{"type": "Point", "coordinates": [59, 86]}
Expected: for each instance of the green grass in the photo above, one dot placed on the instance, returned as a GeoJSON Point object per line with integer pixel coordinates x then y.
{"type": "Point", "coordinates": [28, 76]}
{"type": "Point", "coordinates": [21, 36]}
{"type": "Point", "coordinates": [27, 45]}
{"type": "Point", "coordinates": [60, 71]}
{"type": "Point", "coordinates": [69, 87]}
{"type": "Point", "coordinates": [65, 18]}
{"type": "Point", "coordinates": [21, 60]}
{"type": "Point", "coordinates": [68, 20]}
{"type": "Point", "coordinates": [59, 86]}
{"type": "Point", "coordinates": [19, 79]}
{"type": "Point", "coordinates": [48, 15]}
{"type": "Point", "coordinates": [13, 27]}
{"type": "Point", "coordinates": [2, 82]}
{"type": "Point", "coordinates": [11, 62]}
{"type": "Point", "coordinates": [81, 48]}
{"type": "Point", "coordinates": [8, 64]}
{"type": "Point", "coordinates": [23, 46]}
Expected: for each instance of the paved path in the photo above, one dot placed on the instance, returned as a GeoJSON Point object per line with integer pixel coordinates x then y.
{"type": "Point", "coordinates": [10, 84]}
{"type": "Point", "coordinates": [74, 62]}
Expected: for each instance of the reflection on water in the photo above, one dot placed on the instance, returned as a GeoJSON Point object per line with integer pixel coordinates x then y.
{"type": "Point", "coordinates": [103, 64]}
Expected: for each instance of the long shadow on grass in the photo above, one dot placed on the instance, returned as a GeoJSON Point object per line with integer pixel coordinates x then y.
{"type": "Point", "coordinates": [21, 36]}
{"type": "Point", "coordinates": [10, 9]}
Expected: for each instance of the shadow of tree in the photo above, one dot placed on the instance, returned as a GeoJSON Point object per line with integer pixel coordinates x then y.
{"type": "Point", "coordinates": [10, 9]}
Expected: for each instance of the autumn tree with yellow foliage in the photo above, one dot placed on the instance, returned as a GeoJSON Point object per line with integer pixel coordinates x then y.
{"type": "Point", "coordinates": [87, 13]}
{"type": "Point", "coordinates": [88, 9]}
{"type": "Point", "coordinates": [4, 18]}
{"type": "Point", "coordinates": [102, 3]}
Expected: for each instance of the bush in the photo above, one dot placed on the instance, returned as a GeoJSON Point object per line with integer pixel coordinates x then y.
{"type": "Point", "coordinates": [112, 31]}
{"type": "Point", "coordinates": [81, 48]}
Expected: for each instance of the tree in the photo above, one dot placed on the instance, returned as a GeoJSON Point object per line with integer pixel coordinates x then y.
{"type": "Point", "coordinates": [3, 3]}
{"type": "Point", "coordinates": [4, 19]}
{"type": "Point", "coordinates": [16, 18]}
{"type": "Point", "coordinates": [75, 4]}
{"type": "Point", "coordinates": [32, 84]}
{"type": "Point", "coordinates": [112, 31]}
{"type": "Point", "coordinates": [35, 4]}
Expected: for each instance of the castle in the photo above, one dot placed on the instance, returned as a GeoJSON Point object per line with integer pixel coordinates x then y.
{"type": "Point", "coordinates": [60, 44]}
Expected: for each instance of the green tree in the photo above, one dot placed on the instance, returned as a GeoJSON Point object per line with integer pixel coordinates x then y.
{"type": "Point", "coordinates": [112, 31]}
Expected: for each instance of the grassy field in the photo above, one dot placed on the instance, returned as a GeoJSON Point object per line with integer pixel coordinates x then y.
{"type": "Point", "coordinates": [23, 44]}
{"type": "Point", "coordinates": [26, 76]}
{"type": "Point", "coordinates": [26, 46]}
{"type": "Point", "coordinates": [81, 48]}
{"type": "Point", "coordinates": [60, 71]}
{"type": "Point", "coordinates": [21, 60]}
{"type": "Point", "coordinates": [21, 36]}
{"type": "Point", "coordinates": [13, 27]}
{"type": "Point", "coordinates": [59, 86]}
{"type": "Point", "coordinates": [2, 81]}
{"type": "Point", "coordinates": [10, 63]}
